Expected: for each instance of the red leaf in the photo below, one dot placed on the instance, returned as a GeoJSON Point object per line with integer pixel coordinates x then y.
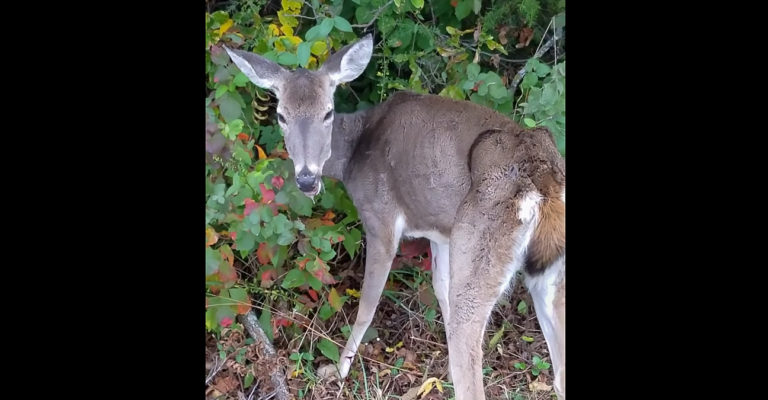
{"type": "Point", "coordinates": [264, 253]}
{"type": "Point", "coordinates": [267, 195]}
{"type": "Point", "coordinates": [277, 182]}
{"type": "Point", "coordinates": [303, 299]}
{"type": "Point", "coordinates": [454, 3]}
{"type": "Point", "coordinates": [249, 206]}
{"type": "Point", "coordinates": [242, 136]}
{"type": "Point", "coordinates": [216, 79]}
{"type": "Point", "coordinates": [303, 262]}
{"type": "Point", "coordinates": [268, 277]}
{"type": "Point", "coordinates": [312, 294]}
{"type": "Point", "coordinates": [282, 322]}
{"type": "Point", "coordinates": [324, 276]}
{"type": "Point", "coordinates": [233, 235]}
{"type": "Point", "coordinates": [226, 321]}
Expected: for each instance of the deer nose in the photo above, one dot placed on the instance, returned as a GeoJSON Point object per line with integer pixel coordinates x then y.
{"type": "Point", "coordinates": [306, 180]}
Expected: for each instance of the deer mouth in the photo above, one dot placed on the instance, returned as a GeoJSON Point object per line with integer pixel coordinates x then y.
{"type": "Point", "coordinates": [315, 191]}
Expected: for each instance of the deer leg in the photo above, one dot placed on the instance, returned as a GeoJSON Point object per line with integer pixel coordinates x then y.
{"type": "Point", "coordinates": [441, 276]}
{"type": "Point", "coordinates": [488, 245]}
{"type": "Point", "coordinates": [548, 293]}
{"type": "Point", "coordinates": [381, 247]}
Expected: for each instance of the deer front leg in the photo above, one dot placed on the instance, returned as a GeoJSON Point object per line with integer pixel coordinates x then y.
{"type": "Point", "coordinates": [381, 246]}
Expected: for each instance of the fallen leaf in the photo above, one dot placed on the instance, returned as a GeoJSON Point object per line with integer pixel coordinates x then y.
{"type": "Point", "coordinates": [524, 37]}
{"type": "Point", "coordinates": [503, 34]}
{"type": "Point", "coordinates": [539, 386]}
{"type": "Point", "coordinates": [427, 386]}
{"type": "Point", "coordinates": [354, 293]}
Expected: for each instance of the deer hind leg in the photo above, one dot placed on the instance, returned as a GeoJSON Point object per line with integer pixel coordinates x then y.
{"type": "Point", "coordinates": [441, 276]}
{"type": "Point", "coordinates": [487, 249]}
{"type": "Point", "coordinates": [548, 292]}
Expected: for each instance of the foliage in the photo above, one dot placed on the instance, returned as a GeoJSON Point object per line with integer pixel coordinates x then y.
{"type": "Point", "coordinates": [255, 215]}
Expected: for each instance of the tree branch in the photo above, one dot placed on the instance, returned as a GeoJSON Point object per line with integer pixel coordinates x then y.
{"type": "Point", "coordinates": [251, 324]}
{"type": "Point", "coordinates": [376, 15]}
{"type": "Point", "coordinates": [540, 52]}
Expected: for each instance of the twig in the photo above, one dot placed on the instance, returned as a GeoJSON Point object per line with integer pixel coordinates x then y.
{"type": "Point", "coordinates": [376, 15]}
{"type": "Point", "coordinates": [539, 52]}
{"type": "Point", "coordinates": [251, 324]}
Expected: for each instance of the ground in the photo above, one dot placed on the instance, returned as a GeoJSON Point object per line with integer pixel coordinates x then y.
{"type": "Point", "coordinates": [406, 347]}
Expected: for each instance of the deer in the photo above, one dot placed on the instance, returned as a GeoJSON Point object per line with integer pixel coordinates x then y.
{"type": "Point", "coordinates": [487, 193]}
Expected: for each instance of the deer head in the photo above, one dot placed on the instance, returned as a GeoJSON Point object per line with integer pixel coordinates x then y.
{"type": "Point", "coordinates": [305, 103]}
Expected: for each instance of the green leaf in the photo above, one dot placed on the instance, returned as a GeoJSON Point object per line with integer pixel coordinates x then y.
{"type": "Point", "coordinates": [370, 334]}
{"type": "Point", "coordinates": [519, 365]}
{"type": "Point", "coordinates": [418, 4]}
{"type": "Point", "coordinates": [328, 349]}
{"type": "Point", "coordinates": [314, 283]}
{"type": "Point", "coordinates": [248, 380]}
{"type": "Point", "coordinates": [303, 53]}
{"type": "Point", "coordinates": [301, 204]}
{"type": "Point", "coordinates": [287, 59]}
{"type": "Point", "coordinates": [220, 91]}
{"type": "Point", "coordinates": [476, 6]}
{"type": "Point", "coordinates": [319, 31]}
{"type": "Point", "coordinates": [240, 79]}
{"type": "Point", "coordinates": [212, 261]}
{"type": "Point", "coordinates": [527, 339]}
{"type": "Point", "coordinates": [473, 70]}
{"type": "Point", "coordinates": [497, 91]}
{"type": "Point", "coordinates": [463, 8]}
{"type": "Point", "coordinates": [307, 356]}
{"type": "Point", "coordinates": [522, 307]}
{"type": "Point", "coordinates": [265, 321]}
{"type": "Point", "coordinates": [352, 241]}
{"type": "Point", "coordinates": [229, 108]}
{"type": "Point", "coordinates": [294, 278]}
{"type": "Point", "coordinates": [325, 312]}
{"type": "Point", "coordinates": [245, 241]}
{"type": "Point", "coordinates": [529, 122]}
{"type": "Point", "coordinates": [342, 24]}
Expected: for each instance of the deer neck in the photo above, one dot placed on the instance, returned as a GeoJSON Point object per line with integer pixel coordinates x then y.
{"type": "Point", "coordinates": [347, 129]}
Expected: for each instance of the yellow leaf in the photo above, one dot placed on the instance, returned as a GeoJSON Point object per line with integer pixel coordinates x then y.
{"type": "Point", "coordinates": [274, 30]}
{"type": "Point", "coordinates": [294, 39]}
{"type": "Point", "coordinates": [287, 30]}
{"type": "Point", "coordinates": [312, 62]}
{"type": "Point", "coordinates": [262, 154]}
{"type": "Point", "coordinates": [210, 237]}
{"type": "Point", "coordinates": [389, 349]}
{"type": "Point", "coordinates": [399, 344]}
{"type": "Point", "coordinates": [225, 26]}
{"type": "Point", "coordinates": [292, 6]}
{"type": "Point", "coordinates": [286, 20]}
{"type": "Point", "coordinates": [354, 293]}
{"type": "Point", "coordinates": [297, 372]}
{"type": "Point", "coordinates": [318, 48]}
{"type": "Point", "coordinates": [335, 300]}
{"type": "Point", "coordinates": [427, 386]}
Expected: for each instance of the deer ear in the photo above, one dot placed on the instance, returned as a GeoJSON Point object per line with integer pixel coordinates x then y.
{"type": "Point", "coordinates": [264, 73]}
{"type": "Point", "coordinates": [348, 63]}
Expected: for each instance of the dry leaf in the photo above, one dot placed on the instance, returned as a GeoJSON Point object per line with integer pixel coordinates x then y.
{"type": "Point", "coordinates": [503, 34]}
{"type": "Point", "coordinates": [524, 37]}
{"type": "Point", "coordinates": [427, 386]}
{"type": "Point", "coordinates": [538, 385]}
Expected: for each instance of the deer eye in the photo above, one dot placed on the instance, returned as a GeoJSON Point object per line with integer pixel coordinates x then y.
{"type": "Point", "coordinates": [328, 116]}
{"type": "Point", "coordinates": [280, 118]}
